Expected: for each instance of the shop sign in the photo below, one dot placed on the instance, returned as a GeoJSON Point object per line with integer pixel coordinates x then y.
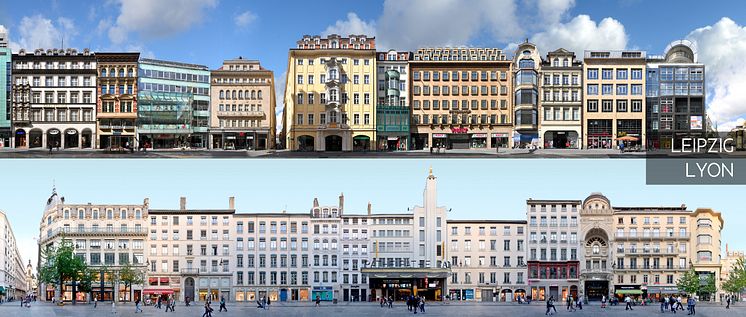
{"type": "Point", "coordinates": [439, 135]}
{"type": "Point", "coordinates": [479, 135]}
{"type": "Point", "coordinates": [54, 132]}
{"type": "Point", "coordinates": [393, 138]}
{"type": "Point", "coordinates": [459, 130]}
{"type": "Point", "coordinates": [72, 132]}
{"type": "Point", "coordinates": [499, 135]}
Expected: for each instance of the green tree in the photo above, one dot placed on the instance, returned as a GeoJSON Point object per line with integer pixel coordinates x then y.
{"type": "Point", "coordinates": [60, 265]}
{"type": "Point", "coordinates": [129, 276]}
{"type": "Point", "coordinates": [689, 282]}
{"type": "Point", "coordinates": [707, 285]}
{"type": "Point", "coordinates": [737, 277]}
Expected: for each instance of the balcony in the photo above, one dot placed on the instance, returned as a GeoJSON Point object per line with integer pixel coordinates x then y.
{"type": "Point", "coordinates": [245, 114]}
{"type": "Point", "coordinates": [189, 271]}
{"type": "Point", "coordinates": [97, 231]}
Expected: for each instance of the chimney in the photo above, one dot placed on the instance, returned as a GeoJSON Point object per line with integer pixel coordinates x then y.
{"type": "Point", "coordinates": [231, 202]}
{"type": "Point", "coordinates": [146, 202]}
{"type": "Point", "coordinates": [182, 203]}
{"type": "Point", "coordinates": [341, 202]}
{"type": "Point", "coordinates": [370, 209]}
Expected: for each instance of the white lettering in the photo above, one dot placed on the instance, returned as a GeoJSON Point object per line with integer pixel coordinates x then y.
{"type": "Point", "coordinates": [713, 170]}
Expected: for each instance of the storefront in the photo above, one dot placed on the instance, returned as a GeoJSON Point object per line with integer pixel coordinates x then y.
{"type": "Point", "coordinates": [392, 143]}
{"type": "Point", "coordinates": [398, 283]}
{"type": "Point", "coordinates": [324, 293]}
{"type": "Point", "coordinates": [630, 127]}
{"type": "Point", "coordinates": [522, 140]}
{"type": "Point", "coordinates": [353, 293]}
{"type": "Point", "coordinates": [561, 140]}
{"type": "Point", "coordinates": [440, 140]}
{"type": "Point", "coordinates": [634, 291]}
{"type": "Point", "coordinates": [500, 140]}
{"type": "Point", "coordinates": [599, 134]}
{"type": "Point", "coordinates": [655, 292]}
{"type": "Point", "coordinates": [155, 293]}
{"type": "Point", "coordinates": [461, 294]}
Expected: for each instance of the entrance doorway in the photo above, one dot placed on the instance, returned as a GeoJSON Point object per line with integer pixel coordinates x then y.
{"type": "Point", "coordinates": [54, 139]}
{"type": "Point", "coordinates": [189, 288]}
{"type": "Point", "coordinates": [71, 138]}
{"type": "Point", "coordinates": [333, 143]}
{"type": "Point", "coordinates": [305, 143]}
{"type": "Point", "coordinates": [595, 290]}
{"type": "Point", "coordinates": [554, 291]}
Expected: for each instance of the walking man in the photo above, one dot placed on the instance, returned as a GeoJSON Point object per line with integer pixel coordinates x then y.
{"type": "Point", "coordinates": [137, 306]}
{"type": "Point", "coordinates": [95, 301]}
{"type": "Point", "coordinates": [727, 302]}
{"type": "Point", "coordinates": [222, 304]}
{"type": "Point", "coordinates": [628, 302]}
{"type": "Point", "coordinates": [318, 302]}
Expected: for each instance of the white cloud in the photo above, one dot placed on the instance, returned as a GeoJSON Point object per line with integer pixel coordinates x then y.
{"type": "Point", "coordinates": [40, 32]}
{"type": "Point", "coordinates": [581, 33]}
{"type": "Point", "coordinates": [411, 24]}
{"type": "Point", "coordinates": [156, 19]}
{"type": "Point", "coordinates": [353, 25]}
{"type": "Point", "coordinates": [244, 19]}
{"type": "Point", "coordinates": [720, 47]}
{"type": "Point", "coordinates": [551, 11]}
{"type": "Point", "coordinates": [279, 99]}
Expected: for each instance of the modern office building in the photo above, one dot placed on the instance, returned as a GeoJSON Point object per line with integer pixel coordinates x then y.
{"type": "Point", "coordinates": [488, 260]}
{"type": "Point", "coordinates": [190, 251]}
{"type": "Point", "coordinates": [116, 102]}
{"type": "Point", "coordinates": [392, 109]}
{"type": "Point", "coordinates": [106, 237]}
{"type": "Point", "coordinates": [6, 91]}
{"type": "Point", "coordinates": [561, 105]}
{"type": "Point", "coordinates": [12, 271]}
{"type": "Point", "coordinates": [54, 99]}
{"type": "Point", "coordinates": [526, 68]}
{"type": "Point", "coordinates": [675, 95]}
{"type": "Point", "coordinates": [330, 94]}
{"type": "Point", "coordinates": [460, 98]}
{"type": "Point", "coordinates": [243, 99]}
{"type": "Point", "coordinates": [614, 86]}
{"type": "Point", "coordinates": [173, 104]}
{"type": "Point", "coordinates": [553, 258]}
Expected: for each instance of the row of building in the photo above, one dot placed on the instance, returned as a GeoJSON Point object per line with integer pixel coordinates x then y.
{"type": "Point", "coordinates": [585, 248]}
{"type": "Point", "coordinates": [16, 280]}
{"type": "Point", "coordinates": [343, 95]}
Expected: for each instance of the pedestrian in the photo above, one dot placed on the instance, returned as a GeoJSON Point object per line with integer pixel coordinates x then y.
{"type": "Point", "coordinates": [727, 302]}
{"type": "Point", "coordinates": [569, 304]}
{"type": "Point", "coordinates": [318, 302]}
{"type": "Point", "coordinates": [603, 301]}
{"type": "Point", "coordinates": [628, 302]}
{"type": "Point", "coordinates": [391, 302]}
{"type": "Point", "coordinates": [269, 302]}
{"type": "Point", "coordinates": [222, 304]}
{"type": "Point", "coordinates": [113, 307]}
{"type": "Point", "coordinates": [550, 305]}
{"type": "Point", "coordinates": [381, 300]}
{"type": "Point", "coordinates": [662, 300]}
{"type": "Point", "coordinates": [672, 303]}
{"type": "Point", "coordinates": [678, 303]}
{"type": "Point", "coordinates": [422, 304]}
{"type": "Point", "coordinates": [95, 301]}
{"type": "Point", "coordinates": [580, 302]}
{"type": "Point", "coordinates": [208, 310]}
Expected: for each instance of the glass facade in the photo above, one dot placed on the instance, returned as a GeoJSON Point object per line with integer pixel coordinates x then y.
{"type": "Point", "coordinates": [176, 104]}
{"type": "Point", "coordinates": [675, 103]}
{"type": "Point", "coordinates": [5, 95]}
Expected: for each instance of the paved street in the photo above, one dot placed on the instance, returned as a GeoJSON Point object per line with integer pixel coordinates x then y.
{"type": "Point", "coordinates": [473, 153]}
{"type": "Point", "coordinates": [362, 309]}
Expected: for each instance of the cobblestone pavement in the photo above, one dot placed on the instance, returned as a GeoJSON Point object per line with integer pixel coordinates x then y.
{"type": "Point", "coordinates": [360, 309]}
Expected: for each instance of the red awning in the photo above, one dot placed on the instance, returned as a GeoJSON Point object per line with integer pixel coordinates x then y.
{"type": "Point", "coordinates": [152, 280]}
{"type": "Point", "coordinates": [158, 291]}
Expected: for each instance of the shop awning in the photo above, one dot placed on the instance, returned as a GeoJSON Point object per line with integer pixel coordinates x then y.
{"type": "Point", "coordinates": [629, 292]}
{"type": "Point", "coordinates": [663, 290]}
{"type": "Point", "coordinates": [2, 290]}
{"type": "Point", "coordinates": [155, 291]}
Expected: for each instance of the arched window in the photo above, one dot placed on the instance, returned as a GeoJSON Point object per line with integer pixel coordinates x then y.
{"type": "Point", "coordinates": [240, 94]}
{"type": "Point", "coordinates": [123, 214]}
{"type": "Point", "coordinates": [246, 94]}
{"type": "Point", "coordinates": [222, 94]}
{"type": "Point", "coordinates": [66, 214]}
{"type": "Point", "coordinates": [109, 214]}
{"type": "Point", "coordinates": [81, 214]}
{"type": "Point", "coordinates": [49, 220]}
{"type": "Point", "coordinates": [95, 214]}
{"type": "Point", "coordinates": [112, 72]}
{"type": "Point", "coordinates": [259, 94]}
{"type": "Point", "coordinates": [121, 72]}
{"type": "Point", "coordinates": [253, 94]}
{"type": "Point", "coordinates": [596, 249]}
{"type": "Point", "coordinates": [103, 72]}
{"type": "Point", "coordinates": [565, 62]}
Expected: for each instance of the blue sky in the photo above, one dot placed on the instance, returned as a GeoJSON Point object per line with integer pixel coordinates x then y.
{"type": "Point", "coordinates": [209, 31]}
{"type": "Point", "coordinates": [473, 189]}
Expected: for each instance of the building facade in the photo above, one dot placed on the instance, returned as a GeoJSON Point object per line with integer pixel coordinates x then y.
{"type": "Point", "coordinates": [330, 94]}
{"type": "Point", "coordinates": [12, 272]}
{"type": "Point", "coordinates": [488, 260]}
{"type": "Point", "coordinates": [54, 99]}
{"type": "Point", "coordinates": [6, 91]}
{"type": "Point", "coordinates": [561, 106]}
{"type": "Point", "coordinates": [106, 237]}
{"type": "Point", "coordinates": [460, 98]}
{"type": "Point", "coordinates": [526, 68]}
{"type": "Point", "coordinates": [243, 98]}
{"type": "Point", "coordinates": [614, 112]}
{"type": "Point", "coordinates": [553, 258]}
{"type": "Point", "coordinates": [116, 102]}
{"type": "Point", "coordinates": [675, 94]}
{"type": "Point", "coordinates": [173, 104]}
{"type": "Point", "coordinates": [392, 108]}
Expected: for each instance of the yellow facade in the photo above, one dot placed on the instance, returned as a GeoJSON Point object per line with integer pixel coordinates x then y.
{"type": "Point", "coordinates": [330, 94]}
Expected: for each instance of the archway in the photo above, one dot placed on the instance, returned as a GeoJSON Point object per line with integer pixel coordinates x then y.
{"type": "Point", "coordinates": [305, 143]}
{"type": "Point", "coordinates": [20, 138]}
{"type": "Point", "coordinates": [86, 138]}
{"type": "Point", "coordinates": [333, 143]}
{"type": "Point", "coordinates": [35, 136]}
{"type": "Point", "coordinates": [71, 138]}
{"type": "Point", "coordinates": [54, 138]}
{"type": "Point", "coordinates": [506, 295]}
{"type": "Point", "coordinates": [189, 288]}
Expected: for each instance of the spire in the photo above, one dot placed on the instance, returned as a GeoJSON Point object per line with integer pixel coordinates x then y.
{"type": "Point", "coordinates": [431, 176]}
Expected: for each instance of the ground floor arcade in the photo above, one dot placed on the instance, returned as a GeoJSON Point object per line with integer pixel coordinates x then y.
{"type": "Point", "coordinates": [477, 137]}
{"type": "Point", "coordinates": [399, 283]}
{"type": "Point", "coordinates": [70, 136]}
{"type": "Point", "coordinates": [336, 139]}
